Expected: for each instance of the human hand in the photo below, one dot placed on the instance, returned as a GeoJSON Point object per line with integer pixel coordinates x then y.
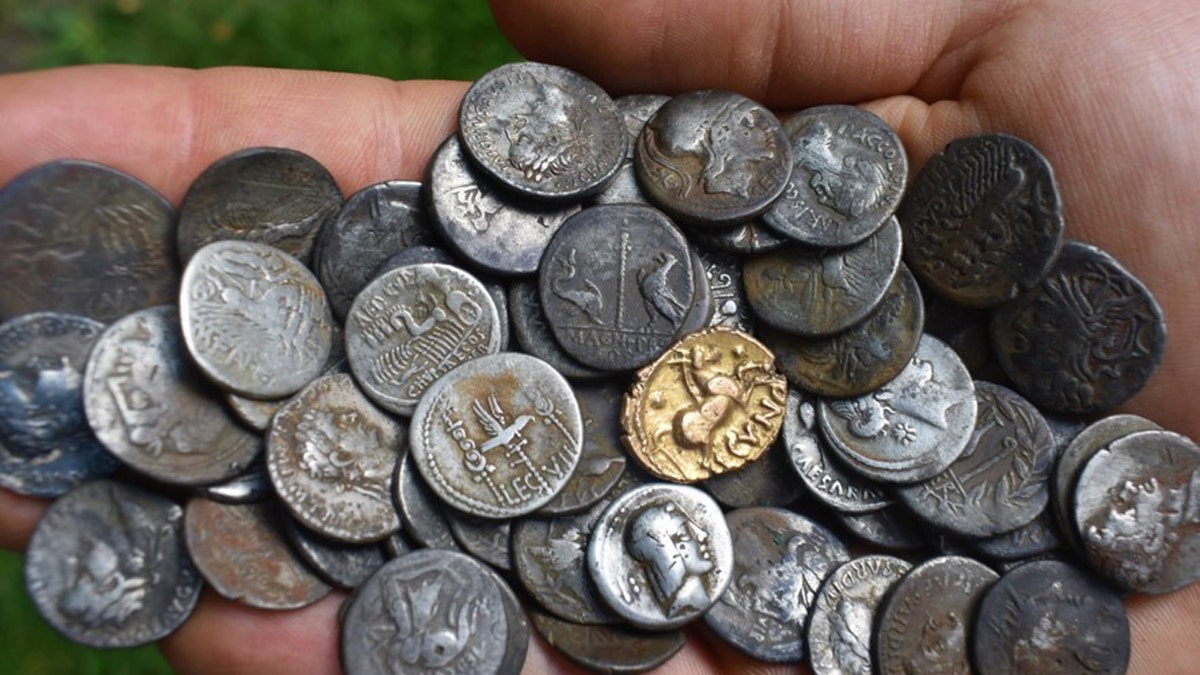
{"type": "Point", "coordinates": [1107, 94]}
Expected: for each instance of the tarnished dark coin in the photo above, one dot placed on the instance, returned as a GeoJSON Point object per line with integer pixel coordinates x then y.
{"type": "Point", "coordinates": [842, 617]}
{"type": "Point", "coordinates": [923, 624]}
{"type": "Point", "coordinates": [661, 555]}
{"type": "Point", "coordinates": [498, 436]}
{"type": "Point", "coordinates": [780, 560]}
{"type": "Point", "coordinates": [603, 460]}
{"type": "Point", "coordinates": [724, 274]}
{"type": "Point", "coordinates": [429, 611]}
{"type": "Point", "coordinates": [85, 239]}
{"type": "Point", "coordinates": [331, 455]}
{"type": "Point", "coordinates": [251, 485]}
{"type": "Point", "coordinates": [412, 325]}
{"type": "Point", "coordinates": [338, 563]}
{"type": "Point", "coordinates": [863, 358]}
{"type": "Point", "coordinates": [46, 445]}
{"type": "Point", "coordinates": [820, 292]}
{"type": "Point", "coordinates": [767, 481]}
{"type": "Point", "coordinates": [421, 514]}
{"type": "Point", "coordinates": [254, 318]}
{"type": "Point", "coordinates": [272, 196]}
{"type": "Point", "coordinates": [1085, 339]}
{"type": "Point", "coordinates": [700, 314]}
{"type": "Point", "coordinates": [1050, 617]}
{"type": "Point", "coordinates": [374, 223]}
{"type": "Point", "coordinates": [154, 410]}
{"type": "Point", "coordinates": [744, 238]}
{"type": "Point", "coordinates": [1037, 537]}
{"type": "Point", "coordinates": [965, 330]}
{"type": "Point", "coordinates": [913, 427]}
{"type": "Point", "coordinates": [616, 283]}
{"type": "Point", "coordinates": [534, 336]}
{"type": "Point", "coordinates": [892, 528]}
{"type": "Point", "coordinates": [1000, 481]}
{"type": "Point", "coordinates": [107, 566]}
{"type": "Point", "coordinates": [982, 220]}
{"type": "Point", "coordinates": [490, 228]}
{"type": "Point", "coordinates": [542, 130]}
{"type": "Point", "coordinates": [485, 539]}
{"type": "Point", "coordinates": [254, 413]}
{"type": "Point", "coordinates": [821, 471]}
{"type": "Point", "coordinates": [713, 158]}
{"type": "Point", "coordinates": [1136, 507]}
{"type": "Point", "coordinates": [242, 553]}
{"type": "Point", "coordinates": [848, 174]}
{"type": "Point", "coordinates": [636, 110]}
{"type": "Point", "coordinates": [607, 649]}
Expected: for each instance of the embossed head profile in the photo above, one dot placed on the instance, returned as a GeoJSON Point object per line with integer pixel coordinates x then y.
{"type": "Point", "coordinates": [102, 592]}
{"type": "Point", "coordinates": [672, 550]}
{"type": "Point", "coordinates": [843, 178]}
{"type": "Point", "coordinates": [546, 134]}
{"type": "Point", "coordinates": [1135, 535]}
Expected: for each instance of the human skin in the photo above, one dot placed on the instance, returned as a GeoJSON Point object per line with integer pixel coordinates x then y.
{"type": "Point", "coordinates": [1106, 90]}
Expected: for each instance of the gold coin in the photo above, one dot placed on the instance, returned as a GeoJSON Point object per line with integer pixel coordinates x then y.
{"type": "Point", "coordinates": [713, 402]}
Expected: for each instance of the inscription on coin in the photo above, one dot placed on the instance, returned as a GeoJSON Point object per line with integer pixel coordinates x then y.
{"type": "Point", "coordinates": [840, 623]}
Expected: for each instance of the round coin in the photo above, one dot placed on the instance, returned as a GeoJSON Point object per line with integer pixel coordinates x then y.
{"type": "Point", "coordinates": [340, 564]}
{"type": "Point", "coordinates": [635, 109]}
{"type": "Point", "coordinates": [533, 334]}
{"type": "Point", "coordinates": [767, 481]}
{"type": "Point", "coordinates": [498, 436]}
{"type": "Point", "coordinates": [843, 614]}
{"type": "Point", "coordinates": [421, 514]}
{"type": "Point", "coordinates": [616, 649]}
{"type": "Point", "coordinates": [602, 463]}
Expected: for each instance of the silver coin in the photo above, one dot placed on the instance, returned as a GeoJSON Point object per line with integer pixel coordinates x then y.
{"type": "Point", "coordinates": [1038, 537]}
{"type": "Point", "coordinates": [843, 614]}
{"type": "Point", "coordinates": [46, 445]}
{"type": "Point", "coordinates": [704, 305]}
{"type": "Point", "coordinates": [892, 528]}
{"type": "Point", "coordinates": [911, 428]}
{"type": "Point", "coordinates": [254, 413]}
{"type": "Point", "coordinates": [485, 539]}
{"type": "Point", "coordinates": [635, 109]}
{"type": "Point", "coordinates": [154, 410]}
{"type": "Point", "coordinates": [767, 481]}
{"type": "Point", "coordinates": [780, 560]}
{"type": "Point", "coordinates": [331, 455]}
{"type": "Point", "coordinates": [615, 649]}
{"type": "Point", "coordinates": [255, 319]}
{"type": "Point", "coordinates": [412, 325]}
{"type": "Point", "coordinates": [661, 555]}
{"type": "Point", "coordinates": [603, 461]}
{"type": "Point", "coordinates": [542, 130]}
{"type": "Point", "coordinates": [743, 238]}
{"type": "Point", "coordinates": [533, 334]}
{"type": "Point", "coordinates": [107, 567]}
{"type": "Point", "coordinates": [252, 485]}
{"type": "Point", "coordinates": [498, 436]}
{"type": "Point", "coordinates": [421, 514]}
{"type": "Point", "coordinates": [338, 563]}
{"type": "Point", "coordinates": [724, 274]}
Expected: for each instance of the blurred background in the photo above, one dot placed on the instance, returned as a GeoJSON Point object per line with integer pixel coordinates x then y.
{"type": "Point", "coordinates": [399, 39]}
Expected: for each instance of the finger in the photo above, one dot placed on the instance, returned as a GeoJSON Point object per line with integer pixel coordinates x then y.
{"type": "Point", "coordinates": [166, 125]}
{"type": "Point", "coordinates": [18, 516]}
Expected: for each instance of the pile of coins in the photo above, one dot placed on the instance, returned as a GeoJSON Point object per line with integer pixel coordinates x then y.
{"type": "Point", "coordinates": [431, 393]}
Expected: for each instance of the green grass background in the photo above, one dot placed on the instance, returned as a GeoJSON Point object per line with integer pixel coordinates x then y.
{"type": "Point", "coordinates": [400, 39]}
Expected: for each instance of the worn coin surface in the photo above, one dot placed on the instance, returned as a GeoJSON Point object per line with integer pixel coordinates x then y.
{"type": "Point", "coordinates": [780, 560]}
{"type": "Point", "coordinates": [46, 445]}
{"type": "Point", "coordinates": [251, 485]}
{"type": "Point", "coordinates": [498, 436]}
{"type": "Point", "coordinates": [1085, 339]}
{"type": "Point", "coordinates": [635, 109]}
{"type": "Point", "coordinates": [331, 455]}
{"type": "Point", "coordinates": [767, 481]}
{"type": "Point", "coordinates": [616, 283]}
{"type": "Point", "coordinates": [107, 567]}
{"type": "Point", "coordinates": [923, 623]}
{"type": "Point", "coordinates": [154, 410]}
{"type": "Point", "coordinates": [602, 463]}
{"type": "Point", "coordinates": [891, 527]}
{"type": "Point", "coordinates": [1038, 537]}
{"type": "Point", "coordinates": [724, 274]}
{"type": "Point", "coordinates": [713, 158]}
{"type": "Point", "coordinates": [338, 563]}
{"type": "Point", "coordinates": [485, 539]}
{"type": "Point", "coordinates": [274, 196]}
{"type": "Point", "coordinates": [542, 130]}
{"type": "Point", "coordinates": [843, 614]}
{"type": "Point", "coordinates": [85, 239]}
{"type": "Point", "coordinates": [1048, 616]}
{"type": "Point", "coordinates": [242, 553]}
{"type": "Point", "coordinates": [412, 325]}
{"type": "Point", "coordinates": [982, 220]}
{"type": "Point", "coordinates": [254, 318]}
{"type": "Point", "coordinates": [743, 238]}
{"type": "Point", "coordinates": [615, 649]}
{"type": "Point", "coordinates": [661, 555]}
{"type": "Point", "coordinates": [818, 292]}
{"type": "Point", "coordinates": [911, 428]}
{"type": "Point", "coordinates": [709, 405]}
{"type": "Point", "coordinates": [533, 334]}
{"type": "Point", "coordinates": [421, 514]}
{"type": "Point", "coordinates": [254, 413]}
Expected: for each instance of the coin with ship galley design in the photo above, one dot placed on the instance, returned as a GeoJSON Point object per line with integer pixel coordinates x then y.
{"type": "Point", "coordinates": [498, 436]}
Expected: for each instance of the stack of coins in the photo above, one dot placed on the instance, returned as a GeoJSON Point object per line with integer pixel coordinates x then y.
{"type": "Point", "coordinates": [614, 367]}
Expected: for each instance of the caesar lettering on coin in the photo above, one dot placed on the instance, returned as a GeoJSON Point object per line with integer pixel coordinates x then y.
{"type": "Point", "coordinates": [843, 614]}
{"type": "Point", "coordinates": [497, 437]}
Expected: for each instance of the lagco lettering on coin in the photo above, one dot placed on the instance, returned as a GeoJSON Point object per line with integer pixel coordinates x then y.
{"type": "Point", "coordinates": [273, 196]}
{"type": "Point", "coordinates": [254, 318]}
{"type": "Point", "coordinates": [331, 455]}
{"type": "Point", "coordinates": [982, 220]}
{"type": "Point", "coordinates": [713, 158]}
{"type": "Point", "coordinates": [542, 130]}
{"type": "Point", "coordinates": [913, 427]}
{"type": "Point", "coordinates": [661, 555]}
{"type": "Point", "coordinates": [242, 553]}
{"type": "Point", "coordinates": [849, 169]}
{"type": "Point", "coordinates": [1085, 339]}
{"type": "Point", "coordinates": [780, 559]}
{"type": "Point", "coordinates": [843, 613]}
{"type": "Point", "coordinates": [46, 445]}
{"type": "Point", "coordinates": [616, 284]}
{"type": "Point", "coordinates": [1048, 616]}
{"type": "Point", "coordinates": [498, 436]}
{"type": "Point", "coordinates": [85, 239]}
{"type": "Point", "coordinates": [427, 612]}
{"type": "Point", "coordinates": [412, 325]}
{"type": "Point", "coordinates": [107, 567]}
{"type": "Point", "coordinates": [709, 405]}
{"type": "Point", "coordinates": [154, 410]}
{"type": "Point", "coordinates": [615, 649]}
